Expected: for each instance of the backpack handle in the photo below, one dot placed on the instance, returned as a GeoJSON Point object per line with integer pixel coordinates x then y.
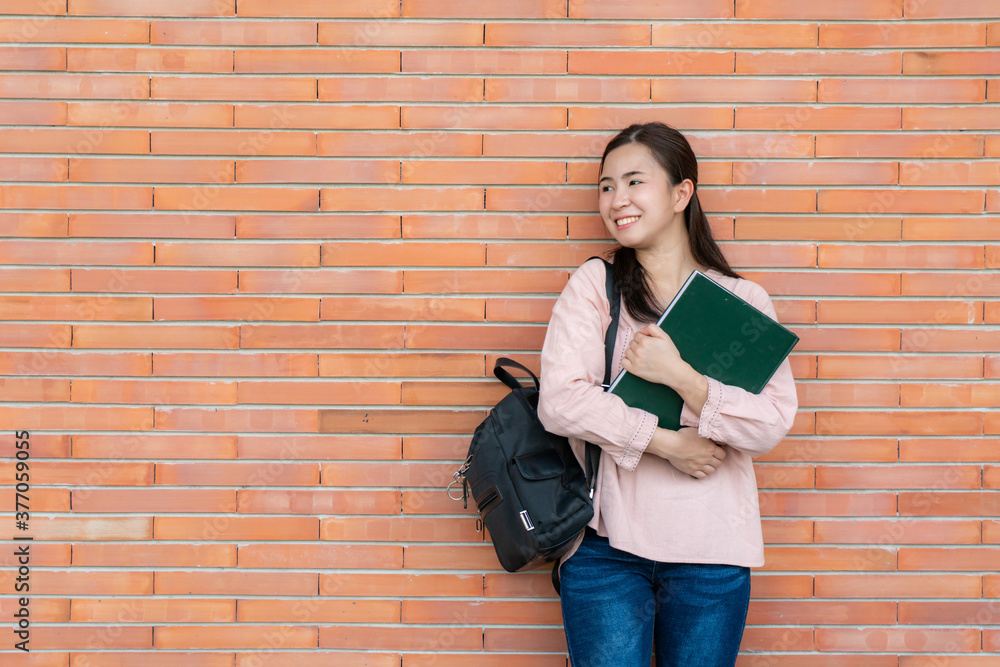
{"type": "Point", "coordinates": [507, 378]}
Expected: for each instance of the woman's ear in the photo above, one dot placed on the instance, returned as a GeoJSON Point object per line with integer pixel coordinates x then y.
{"type": "Point", "coordinates": [683, 192]}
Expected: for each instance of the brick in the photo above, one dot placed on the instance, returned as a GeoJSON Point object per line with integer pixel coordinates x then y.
{"type": "Point", "coordinates": [951, 63]}
{"type": "Point", "coordinates": [898, 367]}
{"type": "Point", "coordinates": [34, 280]}
{"type": "Point", "coordinates": [406, 585]}
{"type": "Point", "coordinates": [898, 201]}
{"type": "Point", "coordinates": [155, 501]}
{"type": "Point", "coordinates": [74, 86]}
{"type": "Point", "coordinates": [815, 173]}
{"type": "Point", "coordinates": [649, 9]}
{"type": "Point", "coordinates": [75, 30]}
{"type": "Point", "coordinates": [650, 63]}
{"type": "Point", "coordinates": [826, 63]}
{"type": "Point", "coordinates": [308, 61]}
{"type": "Point", "coordinates": [32, 58]}
{"type": "Point", "coordinates": [898, 586]}
{"type": "Point", "coordinates": [904, 91]}
{"type": "Point", "coordinates": [827, 504]}
{"type": "Point", "coordinates": [400, 33]}
{"type": "Point", "coordinates": [430, 500]}
{"type": "Point", "coordinates": [902, 312]}
{"type": "Point", "coordinates": [158, 336]}
{"type": "Point", "coordinates": [946, 118]}
{"type": "Point", "coordinates": [79, 197]}
{"type": "Point", "coordinates": [315, 116]}
{"type": "Point", "coordinates": [752, 145]}
{"type": "Point", "coordinates": [230, 637]}
{"type": "Point", "coordinates": [319, 611]}
{"type": "Point", "coordinates": [235, 33]}
{"type": "Point", "coordinates": [147, 59]}
{"type": "Point", "coordinates": [155, 280]}
{"type": "Point", "coordinates": [71, 140]}
{"type": "Point", "coordinates": [237, 473]}
{"type": "Point", "coordinates": [318, 393]}
{"type": "Point", "coordinates": [155, 447]}
{"type": "Point", "coordinates": [491, 118]}
{"type": "Point", "coordinates": [62, 529]}
{"type": "Point", "coordinates": [523, 145]}
{"type": "Point", "coordinates": [35, 7]}
{"type": "Point", "coordinates": [277, 364]}
{"type": "Point", "coordinates": [399, 89]}
{"type": "Point", "coordinates": [118, 473]}
{"type": "Point", "coordinates": [801, 118]}
{"type": "Point", "coordinates": [318, 447]}
{"type": "Point", "coordinates": [889, 532]}
{"type": "Point", "coordinates": [238, 89]}
{"type": "Point", "coordinates": [835, 450]}
{"type": "Point", "coordinates": [826, 283]}
{"type": "Point", "coordinates": [403, 254]}
{"type": "Point", "coordinates": [317, 171]}
{"type": "Point", "coordinates": [237, 254]}
{"type": "Point", "coordinates": [828, 559]}
{"type": "Point", "coordinates": [155, 392]}
{"type": "Point", "coordinates": [42, 555]}
{"type": "Point", "coordinates": [949, 450]}
{"type": "Point", "coordinates": [524, 639]}
{"type": "Point", "coordinates": [293, 309]}
{"type": "Point", "coordinates": [409, 364]}
{"type": "Point", "coordinates": [532, 585]}
{"type": "Point", "coordinates": [32, 225]}
{"type": "Point", "coordinates": [926, 422]}
{"type": "Point", "coordinates": [761, 255]}
{"type": "Point", "coordinates": [154, 611]}
{"type": "Point", "coordinates": [787, 9]}
{"type": "Point", "coordinates": [848, 395]}
{"type": "Point", "coordinates": [902, 35]}
{"type": "Point", "coordinates": [758, 201]}
{"type": "Point", "coordinates": [44, 610]}
{"type": "Point", "coordinates": [376, 637]}
{"type": "Point", "coordinates": [151, 225]}
{"type": "Point", "coordinates": [519, 310]}
{"type": "Point", "coordinates": [239, 142]}
{"type": "Point", "coordinates": [41, 500]}
{"type": "Point", "coordinates": [899, 146]}
{"type": "Point", "coordinates": [940, 612]}
{"type": "Point", "coordinates": [362, 9]}
{"type": "Point", "coordinates": [402, 308]}
{"type": "Point", "coordinates": [456, 9]}
{"type": "Point", "coordinates": [719, 90]}
{"type": "Point", "coordinates": [408, 474]}
{"type": "Point", "coordinates": [318, 502]}
{"type": "Point", "coordinates": [324, 226]}
{"type": "Point", "coordinates": [314, 336]}
{"type": "Point", "coordinates": [972, 503]}
{"type": "Point", "coordinates": [610, 117]}
{"type": "Point", "coordinates": [785, 477]}
{"type": "Point", "coordinates": [157, 659]}
{"type": "Point", "coordinates": [736, 35]}
{"type": "Point", "coordinates": [41, 390]}
{"type": "Point", "coordinates": [172, 198]}
{"type": "Point", "coordinates": [552, 198]}
{"type": "Point", "coordinates": [399, 421]}
{"type": "Point", "coordinates": [119, 170]}
{"type": "Point", "coordinates": [400, 199]}
{"type": "Point", "coordinates": [480, 659]}
{"type": "Point", "coordinates": [451, 557]}
{"type": "Point", "coordinates": [51, 251]}
{"type": "Point", "coordinates": [56, 637]}
{"type": "Point", "coordinates": [493, 612]}
{"type": "Point", "coordinates": [96, 554]}
{"type": "Point", "coordinates": [897, 639]}
{"type": "Point", "coordinates": [487, 280]}
{"type": "Point", "coordinates": [82, 363]}
{"type": "Point", "coordinates": [569, 255]}
{"type": "Point", "coordinates": [479, 226]}
{"type": "Point", "coordinates": [236, 583]}
{"type": "Point", "coordinates": [186, 8]}
{"type": "Point", "coordinates": [264, 421]}
{"type": "Point", "coordinates": [315, 658]}
{"type": "Point", "coordinates": [762, 639]}
{"type": "Point", "coordinates": [791, 311]}
{"type": "Point", "coordinates": [937, 9]}
{"type": "Point", "coordinates": [31, 112]}
{"type": "Point", "coordinates": [949, 173]}
{"type": "Point", "coordinates": [900, 256]}
{"type": "Point", "coordinates": [484, 172]}
{"type": "Point", "coordinates": [429, 336]}
{"type": "Point", "coordinates": [484, 61]}
{"type": "Point", "coordinates": [42, 445]}
{"type": "Point", "coordinates": [235, 528]}
{"type": "Point", "coordinates": [561, 34]}
{"type": "Point", "coordinates": [314, 556]}
{"type": "Point", "coordinates": [950, 395]}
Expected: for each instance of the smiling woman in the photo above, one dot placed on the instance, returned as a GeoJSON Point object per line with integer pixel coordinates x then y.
{"type": "Point", "coordinates": [676, 525]}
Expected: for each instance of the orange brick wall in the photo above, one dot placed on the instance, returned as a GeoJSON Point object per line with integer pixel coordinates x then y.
{"type": "Point", "coordinates": [259, 256]}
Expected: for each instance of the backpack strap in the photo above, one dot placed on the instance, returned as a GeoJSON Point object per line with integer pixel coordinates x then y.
{"type": "Point", "coordinates": [593, 452]}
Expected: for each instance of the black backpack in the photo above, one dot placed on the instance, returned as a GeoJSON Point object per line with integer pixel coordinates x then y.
{"type": "Point", "coordinates": [529, 489]}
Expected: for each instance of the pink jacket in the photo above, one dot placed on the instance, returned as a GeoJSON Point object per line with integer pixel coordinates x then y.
{"type": "Point", "coordinates": [642, 503]}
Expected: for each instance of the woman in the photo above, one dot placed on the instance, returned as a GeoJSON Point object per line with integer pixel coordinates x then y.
{"type": "Point", "coordinates": [676, 525]}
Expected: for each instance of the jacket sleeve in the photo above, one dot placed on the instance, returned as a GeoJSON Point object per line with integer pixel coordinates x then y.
{"type": "Point", "coordinates": [753, 423]}
{"type": "Point", "coordinates": [572, 402]}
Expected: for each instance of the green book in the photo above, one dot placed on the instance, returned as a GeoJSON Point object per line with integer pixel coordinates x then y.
{"type": "Point", "coordinates": [721, 336]}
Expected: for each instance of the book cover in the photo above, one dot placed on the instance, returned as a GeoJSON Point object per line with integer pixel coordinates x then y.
{"type": "Point", "coordinates": [721, 336]}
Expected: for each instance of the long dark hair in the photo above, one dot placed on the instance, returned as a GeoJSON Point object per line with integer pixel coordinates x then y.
{"type": "Point", "coordinates": [673, 152]}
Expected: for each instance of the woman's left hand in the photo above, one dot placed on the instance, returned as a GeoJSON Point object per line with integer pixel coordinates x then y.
{"type": "Point", "coordinates": [653, 356]}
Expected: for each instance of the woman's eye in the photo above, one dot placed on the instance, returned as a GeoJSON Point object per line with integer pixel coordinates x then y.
{"type": "Point", "coordinates": [634, 182]}
{"type": "Point", "coordinates": [605, 188]}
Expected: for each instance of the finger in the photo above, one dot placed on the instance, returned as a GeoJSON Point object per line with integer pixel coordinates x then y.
{"type": "Point", "coordinates": [700, 474]}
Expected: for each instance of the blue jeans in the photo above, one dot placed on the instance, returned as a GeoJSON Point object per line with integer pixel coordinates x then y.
{"type": "Point", "coordinates": [615, 605]}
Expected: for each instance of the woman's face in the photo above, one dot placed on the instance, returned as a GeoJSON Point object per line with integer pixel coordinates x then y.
{"type": "Point", "coordinates": [637, 203]}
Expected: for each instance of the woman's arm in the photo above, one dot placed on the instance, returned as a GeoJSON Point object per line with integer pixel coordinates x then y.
{"type": "Point", "coordinates": [572, 401]}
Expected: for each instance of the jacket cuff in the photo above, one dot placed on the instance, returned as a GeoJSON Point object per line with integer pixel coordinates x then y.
{"type": "Point", "coordinates": [710, 412]}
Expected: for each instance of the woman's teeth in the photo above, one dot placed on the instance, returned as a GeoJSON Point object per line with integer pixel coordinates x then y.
{"type": "Point", "coordinates": [621, 222]}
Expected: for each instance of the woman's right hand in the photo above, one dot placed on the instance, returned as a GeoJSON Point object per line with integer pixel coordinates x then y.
{"type": "Point", "coordinates": [687, 451]}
